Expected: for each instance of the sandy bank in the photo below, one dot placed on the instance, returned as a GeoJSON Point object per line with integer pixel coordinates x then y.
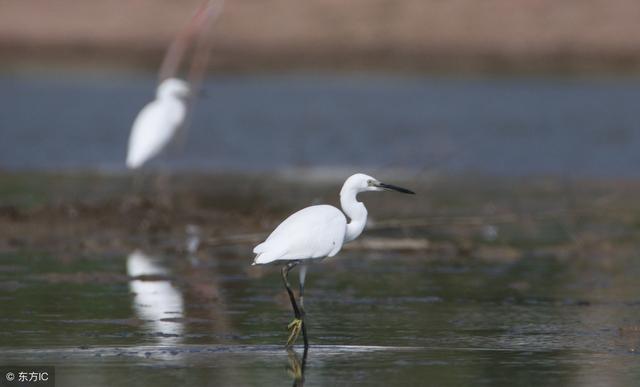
{"type": "Point", "coordinates": [413, 35]}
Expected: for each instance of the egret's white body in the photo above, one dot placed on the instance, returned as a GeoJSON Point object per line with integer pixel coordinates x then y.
{"type": "Point", "coordinates": [314, 233]}
{"type": "Point", "coordinates": [320, 231]}
{"type": "Point", "coordinates": [158, 122]}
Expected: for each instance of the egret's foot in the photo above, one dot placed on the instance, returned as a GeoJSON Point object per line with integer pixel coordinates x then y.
{"type": "Point", "coordinates": [295, 327]}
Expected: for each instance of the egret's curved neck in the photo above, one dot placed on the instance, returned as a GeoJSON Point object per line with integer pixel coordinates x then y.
{"type": "Point", "coordinates": [355, 210]}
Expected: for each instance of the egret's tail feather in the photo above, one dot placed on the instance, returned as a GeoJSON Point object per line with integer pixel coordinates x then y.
{"type": "Point", "coordinates": [259, 248]}
{"type": "Point", "coordinates": [268, 256]}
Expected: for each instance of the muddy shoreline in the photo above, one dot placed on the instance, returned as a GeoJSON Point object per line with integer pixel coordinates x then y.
{"type": "Point", "coordinates": [486, 218]}
{"type": "Point", "coordinates": [227, 60]}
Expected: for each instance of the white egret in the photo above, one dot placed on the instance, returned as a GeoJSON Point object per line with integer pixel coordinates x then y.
{"type": "Point", "coordinates": [158, 122]}
{"type": "Point", "coordinates": [315, 233]}
{"type": "Point", "coordinates": [163, 118]}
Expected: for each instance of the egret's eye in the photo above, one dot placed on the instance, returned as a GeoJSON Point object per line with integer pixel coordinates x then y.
{"type": "Point", "coordinates": [370, 182]}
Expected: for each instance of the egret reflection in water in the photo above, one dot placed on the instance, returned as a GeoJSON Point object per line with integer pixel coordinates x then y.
{"type": "Point", "coordinates": [156, 300]}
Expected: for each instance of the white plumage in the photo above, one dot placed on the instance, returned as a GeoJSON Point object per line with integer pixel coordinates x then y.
{"type": "Point", "coordinates": [158, 122]}
{"type": "Point", "coordinates": [313, 232]}
{"type": "Point", "coordinates": [320, 231]}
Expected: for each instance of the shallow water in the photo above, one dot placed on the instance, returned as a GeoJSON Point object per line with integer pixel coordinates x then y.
{"type": "Point", "coordinates": [373, 318]}
{"type": "Point", "coordinates": [512, 127]}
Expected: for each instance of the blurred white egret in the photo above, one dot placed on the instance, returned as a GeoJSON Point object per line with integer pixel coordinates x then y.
{"type": "Point", "coordinates": [158, 122]}
{"type": "Point", "coordinates": [314, 233]}
{"type": "Point", "coordinates": [163, 118]}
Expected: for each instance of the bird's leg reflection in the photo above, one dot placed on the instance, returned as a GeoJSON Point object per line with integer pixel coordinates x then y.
{"type": "Point", "coordinates": [296, 325]}
{"type": "Point", "coordinates": [296, 367]}
{"type": "Point", "coordinates": [303, 275]}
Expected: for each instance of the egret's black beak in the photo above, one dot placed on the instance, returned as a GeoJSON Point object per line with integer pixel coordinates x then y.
{"type": "Point", "coordinates": [390, 187]}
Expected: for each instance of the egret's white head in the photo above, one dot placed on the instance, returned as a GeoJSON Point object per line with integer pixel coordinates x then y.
{"type": "Point", "coordinates": [173, 88]}
{"type": "Point", "coordinates": [362, 183]}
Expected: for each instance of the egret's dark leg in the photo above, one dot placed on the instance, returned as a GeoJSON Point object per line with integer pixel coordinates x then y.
{"type": "Point", "coordinates": [285, 273]}
{"type": "Point", "coordinates": [296, 324]}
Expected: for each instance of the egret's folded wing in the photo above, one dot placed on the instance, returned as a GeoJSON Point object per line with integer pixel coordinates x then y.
{"type": "Point", "coordinates": [313, 232]}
